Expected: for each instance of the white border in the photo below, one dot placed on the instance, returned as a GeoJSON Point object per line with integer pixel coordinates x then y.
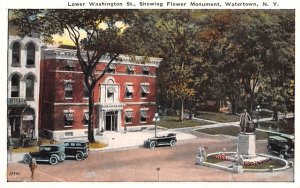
{"type": "Point", "coordinates": [63, 4]}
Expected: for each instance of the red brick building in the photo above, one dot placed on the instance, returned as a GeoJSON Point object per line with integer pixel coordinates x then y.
{"type": "Point", "coordinates": [124, 97]}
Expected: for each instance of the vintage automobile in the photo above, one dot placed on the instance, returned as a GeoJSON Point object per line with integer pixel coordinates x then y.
{"type": "Point", "coordinates": [76, 149]}
{"type": "Point", "coordinates": [169, 139]}
{"type": "Point", "coordinates": [281, 144]}
{"type": "Point", "coordinates": [47, 153]}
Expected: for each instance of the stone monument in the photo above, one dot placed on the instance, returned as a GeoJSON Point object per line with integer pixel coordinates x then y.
{"type": "Point", "coordinates": [246, 138]}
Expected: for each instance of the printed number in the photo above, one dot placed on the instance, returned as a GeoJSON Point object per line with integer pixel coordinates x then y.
{"type": "Point", "coordinates": [14, 173]}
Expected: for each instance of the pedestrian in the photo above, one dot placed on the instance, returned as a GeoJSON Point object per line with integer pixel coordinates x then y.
{"type": "Point", "coordinates": [32, 166]}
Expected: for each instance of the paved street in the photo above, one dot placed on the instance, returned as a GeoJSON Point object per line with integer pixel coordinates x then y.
{"type": "Point", "coordinates": [176, 164]}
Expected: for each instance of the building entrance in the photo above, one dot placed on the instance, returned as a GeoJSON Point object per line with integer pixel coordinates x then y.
{"type": "Point", "coordinates": [111, 123]}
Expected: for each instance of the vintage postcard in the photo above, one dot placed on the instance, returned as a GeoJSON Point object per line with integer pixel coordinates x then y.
{"type": "Point", "coordinates": [149, 93]}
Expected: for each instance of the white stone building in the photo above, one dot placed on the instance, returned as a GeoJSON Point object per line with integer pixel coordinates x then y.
{"type": "Point", "coordinates": [23, 83]}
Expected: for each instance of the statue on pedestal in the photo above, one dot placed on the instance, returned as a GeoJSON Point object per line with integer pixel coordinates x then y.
{"type": "Point", "coordinates": [246, 124]}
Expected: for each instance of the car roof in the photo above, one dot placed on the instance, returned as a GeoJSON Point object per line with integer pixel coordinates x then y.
{"type": "Point", "coordinates": [288, 136]}
{"type": "Point", "coordinates": [51, 145]}
{"type": "Point", "coordinates": [279, 138]}
{"type": "Point", "coordinates": [76, 141]}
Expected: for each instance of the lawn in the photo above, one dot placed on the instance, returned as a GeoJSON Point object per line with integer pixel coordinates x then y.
{"type": "Point", "coordinates": [174, 122]}
{"type": "Point", "coordinates": [284, 127]}
{"type": "Point", "coordinates": [232, 131]}
{"type": "Point", "coordinates": [218, 117]}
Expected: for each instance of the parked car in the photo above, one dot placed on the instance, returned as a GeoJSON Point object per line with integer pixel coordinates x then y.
{"type": "Point", "coordinates": [281, 144]}
{"type": "Point", "coordinates": [51, 153]}
{"type": "Point", "coordinates": [169, 139]}
{"type": "Point", "coordinates": [76, 149]}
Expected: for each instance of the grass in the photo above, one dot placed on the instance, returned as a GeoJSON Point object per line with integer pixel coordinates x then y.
{"type": "Point", "coordinates": [218, 117]}
{"type": "Point", "coordinates": [26, 150]}
{"type": "Point", "coordinates": [97, 145]}
{"type": "Point", "coordinates": [232, 131]}
{"type": "Point", "coordinates": [174, 122]}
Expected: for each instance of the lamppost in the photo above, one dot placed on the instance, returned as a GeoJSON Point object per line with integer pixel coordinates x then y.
{"type": "Point", "coordinates": [258, 109]}
{"type": "Point", "coordinates": [156, 118]}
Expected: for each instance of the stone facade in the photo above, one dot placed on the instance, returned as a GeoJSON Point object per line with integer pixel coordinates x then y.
{"type": "Point", "coordinates": [23, 85]}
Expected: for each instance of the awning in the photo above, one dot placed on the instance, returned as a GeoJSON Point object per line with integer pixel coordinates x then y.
{"type": "Point", "coordinates": [111, 89]}
{"type": "Point", "coordinates": [145, 89]}
{"type": "Point", "coordinates": [112, 66]}
{"type": "Point", "coordinates": [69, 116]}
{"type": "Point", "coordinates": [28, 118]}
{"type": "Point", "coordinates": [146, 69]}
{"type": "Point", "coordinates": [70, 63]}
{"type": "Point", "coordinates": [128, 114]}
{"type": "Point", "coordinates": [144, 114]}
{"type": "Point", "coordinates": [130, 67]}
{"type": "Point", "coordinates": [68, 86]}
{"type": "Point", "coordinates": [86, 115]}
{"type": "Point", "coordinates": [129, 89]}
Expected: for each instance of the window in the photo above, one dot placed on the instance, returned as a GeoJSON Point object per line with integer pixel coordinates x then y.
{"type": "Point", "coordinates": [70, 64]}
{"type": "Point", "coordinates": [144, 91]}
{"type": "Point", "coordinates": [30, 87]}
{"type": "Point", "coordinates": [145, 70]}
{"type": "Point", "coordinates": [68, 134]}
{"type": "Point", "coordinates": [85, 91]}
{"type": "Point", "coordinates": [15, 86]}
{"type": "Point", "coordinates": [110, 91]}
{"type": "Point", "coordinates": [16, 53]}
{"type": "Point", "coordinates": [130, 69]}
{"type": "Point", "coordinates": [129, 92]}
{"type": "Point", "coordinates": [85, 118]}
{"type": "Point", "coordinates": [128, 117]}
{"type": "Point", "coordinates": [144, 116]}
{"type": "Point", "coordinates": [111, 68]}
{"type": "Point", "coordinates": [30, 55]}
{"type": "Point", "coordinates": [69, 119]}
{"type": "Point", "coordinates": [68, 89]}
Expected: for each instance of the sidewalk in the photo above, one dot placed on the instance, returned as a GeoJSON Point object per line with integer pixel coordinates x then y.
{"type": "Point", "coordinates": [118, 141]}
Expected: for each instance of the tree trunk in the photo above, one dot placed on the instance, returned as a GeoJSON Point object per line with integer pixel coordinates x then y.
{"type": "Point", "coordinates": [234, 106]}
{"type": "Point", "coordinates": [91, 137]}
{"type": "Point", "coordinates": [275, 114]}
{"type": "Point", "coordinates": [181, 118]}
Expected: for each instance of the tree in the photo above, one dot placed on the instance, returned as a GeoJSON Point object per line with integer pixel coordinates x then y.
{"type": "Point", "coordinates": [172, 35]}
{"type": "Point", "coordinates": [93, 32]}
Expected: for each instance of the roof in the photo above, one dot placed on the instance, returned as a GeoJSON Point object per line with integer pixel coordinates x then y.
{"type": "Point", "coordinates": [279, 138]}
{"type": "Point", "coordinates": [288, 136]}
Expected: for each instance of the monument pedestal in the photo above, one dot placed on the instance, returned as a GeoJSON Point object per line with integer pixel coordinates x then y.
{"type": "Point", "coordinates": [246, 145]}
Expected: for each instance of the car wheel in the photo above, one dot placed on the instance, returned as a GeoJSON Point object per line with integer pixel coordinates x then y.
{"type": "Point", "coordinates": [63, 157]}
{"type": "Point", "coordinates": [152, 144]}
{"type": "Point", "coordinates": [79, 156]}
{"type": "Point", "coordinates": [53, 160]}
{"type": "Point", "coordinates": [27, 159]}
{"type": "Point", "coordinates": [172, 143]}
